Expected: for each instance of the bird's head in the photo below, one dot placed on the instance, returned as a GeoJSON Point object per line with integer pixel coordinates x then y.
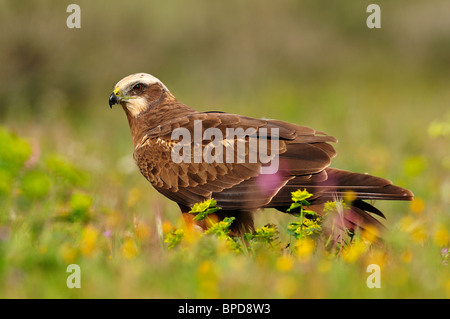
{"type": "Point", "coordinates": [137, 92]}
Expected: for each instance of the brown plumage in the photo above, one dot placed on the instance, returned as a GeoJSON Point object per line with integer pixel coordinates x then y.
{"type": "Point", "coordinates": [239, 187]}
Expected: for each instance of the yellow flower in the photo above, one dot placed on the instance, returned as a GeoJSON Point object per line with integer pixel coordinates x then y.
{"type": "Point", "coordinates": [447, 288]}
{"type": "Point", "coordinates": [89, 237]}
{"type": "Point", "coordinates": [370, 233]}
{"type": "Point", "coordinates": [350, 196]}
{"type": "Point", "coordinates": [352, 252]}
{"type": "Point", "coordinates": [205, 268]}
{"type": "Point", "coordinates": [166, 226]}
{"type": "Point", "coordinates": [377, 257]}
{"type": "Point", "coordinates": [207, 280]}
{"type": "Point", "coordinates": [441, 237]}
{"type": "Point", "coordinates": [129, 249]}
{"type": "Point", "coordinates": [142, 231]}
{"type": "Point", "coordinates": [419, 234]}
{"type": "Point", "coordinates": [406, 256]}
{"type": "Point", "coordinates": [284, 263]}
{"type": "Point", "coordinates": [417, 206]}
{"type": "Point", "coordinates": [305, 249]}
{"type": "Point", "coordinates": [300, 195]}
{"type": "Point", "coordinates": [415, 228]}
{"type": "Point", "coordinates": [191, 235]}
{"type": "Point", "coordinates": [68, 253]}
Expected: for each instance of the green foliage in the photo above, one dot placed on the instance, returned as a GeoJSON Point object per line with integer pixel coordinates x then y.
{"type": "Point", "coordinates": [35, 185]}
{"type": "Point", "coordinates": [440, 128]}
{"type": "Point", "coordinates": [6, 181]}
{"type": "Point", "coordinates": [307, 228]}
{"type": "Point", "coordinates": [415, 166]}
{"type": "Point", "coordinates": [80, 204]}
{"type": "Point", "coordinates": [174, 238]}
{"type": "Point", "coordinates": [221, 228]}
{"type": "Point", "coordinates": [64, 171]}
{"type": "Point", "coordinates": [203, 209]}
{"type": "Point", "coordinates": [266, 234]}
{"type": "Point", "coordinates": [309, 223]}
{"type": "Point", "coordinates": [14, 152]}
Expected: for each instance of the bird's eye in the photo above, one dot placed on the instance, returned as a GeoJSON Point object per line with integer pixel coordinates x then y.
{"type": "Point", "coordinates": [138, 87]}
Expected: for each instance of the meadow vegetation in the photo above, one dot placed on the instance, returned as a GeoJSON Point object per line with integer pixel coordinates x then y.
{"type": "Point", "coordinates": [70, 192]}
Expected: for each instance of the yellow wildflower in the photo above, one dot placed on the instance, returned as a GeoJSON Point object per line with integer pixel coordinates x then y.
{"type": "Point", "coordinates": [284, 263]}
{"type": "Point", "coordinates": [89, 238]}
{"type": "Point", "coordinates": [441, 237]}
{"type": "Point", "coordinates": [370, 233]}
{"type": "Point", "coordinates": [377, 257]}
{"type": "Point", "coordinates": [406, 256]}
{"type": "Point", "coordinates": [350, 196]}
{"type": "Point", "coordinates": [207, 280]}
{"type": "Point", "coordinates": [419, 234]}
{"type": "Point", "coordinates": [447, 289]}
{"type": "Point", "coordinates": [191, 235]}
{"type": "Point", "coordinates": [129, 249]}
{"type": "Point", "coordinates": [417, 206]}
{"type": "Point", "coordinates": [142, 231]}
{"type": "Point", "coordinates": [68, 253]}
{"type": "Point", "coordinates": [352, 252]}
{"type": "Point", "coordinates": [166, 226]}
{"type": "Point", "coordinates": [305, 249]}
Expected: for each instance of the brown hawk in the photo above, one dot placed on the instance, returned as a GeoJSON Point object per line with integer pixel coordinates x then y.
{"type": "Point", "coordinates": [236, 179]}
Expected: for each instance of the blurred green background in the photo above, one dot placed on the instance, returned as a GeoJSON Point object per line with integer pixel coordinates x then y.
{"type": "Point", "coordinates": [384, 93]}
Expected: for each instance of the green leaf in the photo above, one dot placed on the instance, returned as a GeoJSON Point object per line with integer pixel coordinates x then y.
{"type": "Point", "coordinates": [310, 212]}
{"type": "Point", "coordinates": [80, 205]}
{"type": "Point", "coordinates": [221, 228]}
{"type": "Point", "coordinates": [14, 152]}
{"type": "Point", "coordinates": [35, 185]}
{"type": "Point", "coordinates": [62, 169]}
{"type": "Point", "coordinates": [293, 206]}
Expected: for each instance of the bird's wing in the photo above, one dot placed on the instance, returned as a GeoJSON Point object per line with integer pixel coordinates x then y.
{"type": "Point", "coordinates": [303, 153]}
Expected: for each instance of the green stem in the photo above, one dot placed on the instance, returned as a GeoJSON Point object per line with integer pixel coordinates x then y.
{"type": "Point", "coordinates": [301, 221]}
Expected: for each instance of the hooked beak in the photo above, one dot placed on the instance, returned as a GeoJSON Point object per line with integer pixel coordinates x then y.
{"type": "Point", "coordinates": [113, 99]}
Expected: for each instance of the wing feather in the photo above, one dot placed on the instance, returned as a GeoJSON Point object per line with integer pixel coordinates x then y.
{"type": "Point", "coordinates": [303, 153]}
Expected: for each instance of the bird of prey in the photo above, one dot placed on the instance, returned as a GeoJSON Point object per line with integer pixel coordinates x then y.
{"type": "Point", "coordinates": [237, 182]}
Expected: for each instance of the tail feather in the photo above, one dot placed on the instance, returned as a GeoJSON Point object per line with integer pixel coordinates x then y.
{"type": "Point", "coordinates": [366, 186]}
{"type": "Point", "coordinates": [338, 184]}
